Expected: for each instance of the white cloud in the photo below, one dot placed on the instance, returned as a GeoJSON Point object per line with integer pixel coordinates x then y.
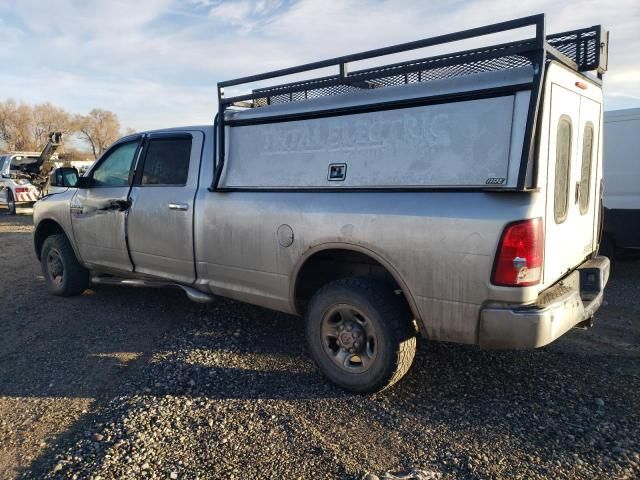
{"type": "Point", "coordinates": [156, 62]}
{"type": "Point", "coordinates": [93, 16]}
{"type": "Point", "coordinates": [245, 15]}
{"type": "Point", "coordinates": [231, 12]}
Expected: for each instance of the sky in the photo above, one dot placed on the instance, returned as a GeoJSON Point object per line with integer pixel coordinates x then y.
{"type": "Point", "coordinates": [155, 63]}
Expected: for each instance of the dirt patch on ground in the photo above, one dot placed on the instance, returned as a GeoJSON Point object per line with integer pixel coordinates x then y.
{"type": "Point", "coordinates": [142, 383]}
{"type": "Point", "coordinates": [61, 357]}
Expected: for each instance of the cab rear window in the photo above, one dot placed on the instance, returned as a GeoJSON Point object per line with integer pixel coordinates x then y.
{"type": "Point", "coordinates": [563, 169]}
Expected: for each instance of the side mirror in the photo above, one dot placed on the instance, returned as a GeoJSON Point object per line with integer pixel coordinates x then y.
{"type": "Point", "coordinates": [64, 177]}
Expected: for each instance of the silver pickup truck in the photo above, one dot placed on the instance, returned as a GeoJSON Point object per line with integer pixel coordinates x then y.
{"type": "Point", "coordinates": [457, 197]}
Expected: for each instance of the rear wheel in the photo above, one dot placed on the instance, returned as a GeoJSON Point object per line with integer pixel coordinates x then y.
{"type": "Point", "coordinates": [360, 334]}
{"type": "Point", "coordinates": [62, 272]}
{"type": "Point", "coordinates": [11, 202]}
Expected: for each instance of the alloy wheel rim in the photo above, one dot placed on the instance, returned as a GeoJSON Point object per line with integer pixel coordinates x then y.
{"type": "Point", "coordinates": [55, 267]}
{"type": "Point", "coordinates": [349, 338]}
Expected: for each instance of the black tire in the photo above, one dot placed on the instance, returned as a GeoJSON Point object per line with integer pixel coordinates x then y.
{"type": "Point", "coordinates": [62, 272]}
{"type": "Point", "coordinates": [11, 202]}
{"type": "Point", "coordinates": [379, 346]}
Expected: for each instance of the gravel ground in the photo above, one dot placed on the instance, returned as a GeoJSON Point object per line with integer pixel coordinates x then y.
{"type": "Point", "coordinates": [142, 383]}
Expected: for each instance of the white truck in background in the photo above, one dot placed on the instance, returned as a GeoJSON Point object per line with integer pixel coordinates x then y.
{"type": "Point", "coordinates": [24, 175]}
{"type": "Point", "coordinates": [16, 187]}
{"type": "Point", "coordinates": [621, 233]}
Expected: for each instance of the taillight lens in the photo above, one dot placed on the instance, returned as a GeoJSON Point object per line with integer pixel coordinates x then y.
{"type": "Point", "coordinates": [22, 189]}
{"type": "Point", "coordinates": [519, 257]}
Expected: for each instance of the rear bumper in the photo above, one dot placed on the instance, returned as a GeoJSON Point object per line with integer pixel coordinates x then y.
{"type": "Point", "coordinates": [29, 197]}
{"type": "Point", "coordinates": [571, 301]}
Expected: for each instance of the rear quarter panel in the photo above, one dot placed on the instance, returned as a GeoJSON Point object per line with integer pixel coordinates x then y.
{"type": "Point", "coordinates": [440, 244]}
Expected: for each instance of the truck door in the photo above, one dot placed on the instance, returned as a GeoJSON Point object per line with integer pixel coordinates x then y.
{"type": "Point", "coordinates": [160, 222]}
{"type": "Point", "coordinates": [99, 212]}
{"type": "Point", "coordinates": [572, 196]}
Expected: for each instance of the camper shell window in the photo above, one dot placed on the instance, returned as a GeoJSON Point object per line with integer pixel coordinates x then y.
{"type": "Point", "coordinates": [563, 169]}
{"type": "Point", "coordinates": [585, 171]}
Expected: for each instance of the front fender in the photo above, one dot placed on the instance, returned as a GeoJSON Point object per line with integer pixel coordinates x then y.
{"type": "Point", "coordinates": [51, 215]}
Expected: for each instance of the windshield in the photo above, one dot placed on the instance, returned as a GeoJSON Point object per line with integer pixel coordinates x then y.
{"type": "Point", "coordinates": [22, 160]}
{"type": "Point", "coordinates": [16, 162]}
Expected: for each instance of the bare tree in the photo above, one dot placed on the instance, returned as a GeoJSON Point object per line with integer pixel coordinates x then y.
{"type": "Point", "coordinates": [100, 129]}
{"type": "Point", "coordinates": [6, 124]}
{"type": "Point", "coordinates": [24, 141]}
{"type": "Point", "coordinates": [15, 122]}
{"type": "Point", "coordinates": [48, 118]}
{"type": "Point", "coordinates": [72, 154]}
{"type": "Point", "coordinates": [27, 128]}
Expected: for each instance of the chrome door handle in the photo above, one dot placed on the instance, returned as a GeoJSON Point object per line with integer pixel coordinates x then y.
{"type": "Point", "coordinates": [179, 206]}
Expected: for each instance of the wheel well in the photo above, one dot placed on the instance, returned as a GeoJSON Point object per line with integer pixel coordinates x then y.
{"type": "Point", "coordinates": [45, 229]}
{"type": "Point", "coordinates": [333, 264]}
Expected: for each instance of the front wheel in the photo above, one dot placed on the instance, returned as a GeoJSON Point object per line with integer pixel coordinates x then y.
{"type": "Point", "coordinates": [360, 334]}
{"type": "Point", "coordinates": [62, 272]}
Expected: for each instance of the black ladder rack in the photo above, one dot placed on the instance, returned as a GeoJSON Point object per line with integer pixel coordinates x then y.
{"type": "Point", "coordinates": [581, 50]}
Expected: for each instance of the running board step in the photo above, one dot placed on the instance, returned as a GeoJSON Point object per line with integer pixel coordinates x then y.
{"type": "Point", "coordinates": [193, 294]}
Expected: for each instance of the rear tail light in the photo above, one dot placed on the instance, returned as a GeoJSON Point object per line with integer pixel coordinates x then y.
{"type": "Point", "coordinates": [519, 257]}
{"type": "Point", "coordinates": [22, 189]}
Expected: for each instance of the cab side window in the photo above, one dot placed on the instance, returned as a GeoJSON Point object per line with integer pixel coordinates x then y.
{"type": "Point", "coordinates": [563, 169]}
{"type": "Point", "coordinates": [167, 161]}
{"type": "Point", "coordinates": [115, 169]}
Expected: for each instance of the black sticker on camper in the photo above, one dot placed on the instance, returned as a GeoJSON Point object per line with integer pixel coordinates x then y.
{"type": "Point", "coordinates": [495, 180]}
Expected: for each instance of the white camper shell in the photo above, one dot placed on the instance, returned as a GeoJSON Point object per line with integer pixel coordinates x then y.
{"type": "Point", "coordinates": [464, 120]}
{"type": "Point", "coordinates": [432, 145]}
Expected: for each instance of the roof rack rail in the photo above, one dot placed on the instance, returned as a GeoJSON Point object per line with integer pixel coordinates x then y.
{"type": "Point", "coordinates": [583, 50]}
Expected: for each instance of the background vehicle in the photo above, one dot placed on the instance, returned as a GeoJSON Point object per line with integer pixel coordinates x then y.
{"type": "Point", "coordinates": [15, 186]}
{"type": "Point", "coordinates": [23, 175]}
{"type": "Point", "coordinates": [622, 182]}
{"type": "Point", "coordinates": [410, 196]}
